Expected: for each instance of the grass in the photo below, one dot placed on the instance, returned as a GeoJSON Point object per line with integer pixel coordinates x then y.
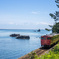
{"type": "Point", "coordinates": [54, 54]}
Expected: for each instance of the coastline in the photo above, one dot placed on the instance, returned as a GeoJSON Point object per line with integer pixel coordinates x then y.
{"type": "Point", "coordinates": [17, 44]}
{"type": "Point", "coordinates": [36, 51]}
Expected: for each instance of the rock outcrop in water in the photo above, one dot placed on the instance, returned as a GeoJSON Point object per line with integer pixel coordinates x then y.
{"type": "Point", "coordinates": [14, 35]}
{"type": "Point", "coordinates": [38, 30]}
{"type": "Point", "coordinates": [22, 37]}
{"type": "Point", "coordinates": [18, 36]}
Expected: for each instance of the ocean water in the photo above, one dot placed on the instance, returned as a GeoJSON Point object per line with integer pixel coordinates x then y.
{"type": "Point", "coordinates": [12, 48]}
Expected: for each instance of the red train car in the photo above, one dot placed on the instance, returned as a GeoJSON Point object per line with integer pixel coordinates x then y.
{"type": "Point", "coordinates": [47, 41]}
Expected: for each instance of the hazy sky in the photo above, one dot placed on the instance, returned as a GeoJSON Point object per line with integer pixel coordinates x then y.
{"type": "Point", "coordinates": [26, 14]}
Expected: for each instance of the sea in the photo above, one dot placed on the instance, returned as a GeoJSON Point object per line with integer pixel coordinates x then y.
{"type": "Point", "coordinates": [12, 48]}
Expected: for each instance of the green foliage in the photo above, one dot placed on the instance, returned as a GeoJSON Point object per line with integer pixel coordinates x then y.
{"type": "Point", "coordinates": [55, 37]}
{"type": "Point", "coordinates": [54, 54]}
{"type": "Point", "coordinates": [47, 29]}
{"type": "Point", "coordinates": [32, 55]}
{"type": "Point", "coordinates": [55, 28]}
{"type": "Point", "coordinates": [55, 16]}
{"type": "Point", "coordinates": [57, 1]}
{"type": "Point", "coordinates": [56, 49]}
{"type": "Point", "coordinates": [50, 26]}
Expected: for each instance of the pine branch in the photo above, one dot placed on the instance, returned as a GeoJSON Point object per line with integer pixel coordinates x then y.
{"type": "Point", "coordinates": [57, 1]}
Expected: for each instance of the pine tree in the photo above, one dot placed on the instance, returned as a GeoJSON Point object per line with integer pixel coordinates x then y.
{"type": "Point", "coordinates": [55, 16]}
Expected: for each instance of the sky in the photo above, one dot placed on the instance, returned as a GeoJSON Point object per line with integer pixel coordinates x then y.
{"type": "Point", "coordinates": [26, 14]}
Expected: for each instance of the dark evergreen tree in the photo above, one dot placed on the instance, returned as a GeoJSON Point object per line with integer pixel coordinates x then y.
{"type": "Point", "coordinates": [55, 28]}
{"type": "Point", "coordinates": [57, 1]}
{"type": "Point", "coordinates": [55, 16]}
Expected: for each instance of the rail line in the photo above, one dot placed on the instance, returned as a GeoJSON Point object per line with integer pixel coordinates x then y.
{"type": "Point", "coordinates": [39, 52]}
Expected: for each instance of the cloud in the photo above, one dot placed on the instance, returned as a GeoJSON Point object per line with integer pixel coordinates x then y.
{"type": "Point", "coordinates": [35, 12]}
{"type": "Point", "coordinates": [44, 23]}
{"type": "Point", "coordinates": [11, 23]}
{"type": "Point", "coordinates": [16, 24]}
{"type": "Point", "coordinates": [36, 23]}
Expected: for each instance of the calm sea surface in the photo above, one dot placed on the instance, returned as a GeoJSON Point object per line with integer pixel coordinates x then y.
{"type": "Point", "coordinates": [12, 48]}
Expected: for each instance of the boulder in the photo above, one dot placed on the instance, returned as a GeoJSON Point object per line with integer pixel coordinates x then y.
{"type": "Point", "coordinates": [38, 30]}
{"type": "Point", "coordinates": [14, 35]}
{"type": "Point", "coordinates": [22, 37]}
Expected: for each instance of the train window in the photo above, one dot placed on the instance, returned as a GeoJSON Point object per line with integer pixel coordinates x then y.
{"type": "Point", "coordinates": [49, 38]}
{"type": "Point", "coordinates": [45, 38]}
{"type": "Point", "coordinates": [42, 38]}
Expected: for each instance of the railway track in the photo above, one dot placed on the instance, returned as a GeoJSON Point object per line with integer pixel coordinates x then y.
{"type": "Point", "coordinates": [39, 52]}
